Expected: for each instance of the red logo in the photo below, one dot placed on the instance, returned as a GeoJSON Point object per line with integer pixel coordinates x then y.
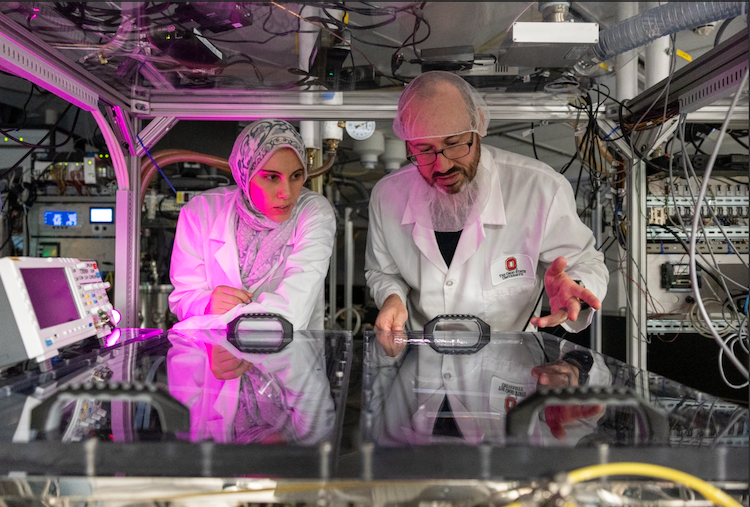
{"type": "Point", "coordinates": [510, 402]}
{"type": "Point", "coordinates": [510, 264]}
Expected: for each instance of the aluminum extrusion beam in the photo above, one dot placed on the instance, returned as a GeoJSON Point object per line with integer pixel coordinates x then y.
{"type": "Point", "coordinates": [636, 347]}
{"type": "Point", "coordinates": [16, 33]}
{"type": "Point", "coordinates": [357, 108]}
{"type": "Point", "coordinates": [727, 55]}
{"type": "Point", "coordinates": [152, 132]}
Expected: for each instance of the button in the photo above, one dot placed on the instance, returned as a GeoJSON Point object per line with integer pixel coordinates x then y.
{"type": "Point", "coordinates": [107, 285]}
{"type": "Point", "coordinates": [81, 265]}
{"type": "Point", "coordinates": [88, 286]}
{"type": "Point", "coordinates": [48, 342]}
{"type": "Point", "coordinates": [449, 283]}
{"type": "Point", "coordinates": [94, 310]}
{"type": "Point", "coordinates": [447, 376]}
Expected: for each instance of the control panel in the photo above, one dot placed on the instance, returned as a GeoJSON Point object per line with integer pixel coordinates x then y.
{"type": "Point", "coordinates": [49, 303]}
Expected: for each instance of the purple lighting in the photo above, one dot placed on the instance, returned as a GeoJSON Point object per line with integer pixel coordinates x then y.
{"type": "Point", "coordinates": [113, 338]}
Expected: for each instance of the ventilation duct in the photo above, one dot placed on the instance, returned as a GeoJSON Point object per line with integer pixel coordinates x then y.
{"type": "Point", "coordinates": [658, 22]}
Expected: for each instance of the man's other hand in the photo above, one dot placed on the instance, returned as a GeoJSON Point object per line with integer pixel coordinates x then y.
{"type": "Point", "coordinates": [565, 296]}
{"type": "Point", "coordinates": [224, 298]}
{"type": "Point", "coordinates": [390, 324]}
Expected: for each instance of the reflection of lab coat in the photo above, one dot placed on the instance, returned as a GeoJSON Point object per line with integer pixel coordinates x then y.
{"type": "Point", "coordinates": [408, 392]}
{"type": "Point", "coordinates": [498, 267]}
{"type": "Point", "coordinates": [205, 256]}
{"type": "Point", "coordinates": [298, 372]}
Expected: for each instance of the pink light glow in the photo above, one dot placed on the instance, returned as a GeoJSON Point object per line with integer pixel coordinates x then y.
{"type": "Point", "coordinates": [116, 316]}
{"type": "Point", "coordinates": [113, 338]}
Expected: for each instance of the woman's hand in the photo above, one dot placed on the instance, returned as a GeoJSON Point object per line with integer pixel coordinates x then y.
{"type": "Point", "coordinates": [224, 298]}
{"type": "Point", "coordinates": [224, 365]}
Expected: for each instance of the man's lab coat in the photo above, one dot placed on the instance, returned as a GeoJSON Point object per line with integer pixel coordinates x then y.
{"type": "Point", "coordinates": [482, 388]}
{"type": "Point", "coordinates": [498, 268]}
{"type": "Point", "coordinates": [205, 256]}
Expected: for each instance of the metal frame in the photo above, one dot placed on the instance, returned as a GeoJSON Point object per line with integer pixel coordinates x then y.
{"type": "Point", "coordinates": [24, 55]}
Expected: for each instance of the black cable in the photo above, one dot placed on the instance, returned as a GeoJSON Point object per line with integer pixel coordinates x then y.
{"type": "Point", "coordinates": [721, 30]}
{"type": "Point", "coordinates": [533, 141]}
{"type": "Point", "coordinates": [538, 300]}
{"type": "Point", "coordinates": [46, 146]}
{"type": "Point", "coordinates": [45, 137]}
{"type": "Point", "coordinates": [736, 138]}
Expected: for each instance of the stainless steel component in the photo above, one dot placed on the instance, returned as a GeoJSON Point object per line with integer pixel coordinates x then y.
{"type": "Point", "coordinates": [554, 12]}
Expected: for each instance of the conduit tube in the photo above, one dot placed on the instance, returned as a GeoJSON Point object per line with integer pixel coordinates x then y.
{"type": "Point", "coordinates": [655, 23]}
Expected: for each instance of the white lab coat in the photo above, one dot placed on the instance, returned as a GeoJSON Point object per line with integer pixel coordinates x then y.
{"type": "Point", "coordinates": [482, 387]}
{"type": "Point", "coordinates": [498, 268]}
{"type": "Point", "coordinates": [205, 256]}
{"type": "Point", "coordinates": [298, 375]}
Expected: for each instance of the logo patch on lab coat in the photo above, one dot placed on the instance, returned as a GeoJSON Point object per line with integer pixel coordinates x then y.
{"type": "Point", "coordinates": [504, 395]}
{"type": "Point", "coordinates": [511, 268]}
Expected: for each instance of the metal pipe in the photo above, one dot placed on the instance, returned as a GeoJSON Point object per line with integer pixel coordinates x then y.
{"type": "Point", "coordinates": [595, 342]}
{"type": "Point", "coordinates": [626, 65]}
{"type": "Point", "coordinates": [554, 12]}
{"type": "Point", "coordinates": [349, 265]}
{"type": "Point", "coordinates": [657, 59]}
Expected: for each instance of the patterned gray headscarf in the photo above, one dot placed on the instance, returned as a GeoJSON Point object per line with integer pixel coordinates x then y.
{"type": "Point", "coordinates": [260, 239]}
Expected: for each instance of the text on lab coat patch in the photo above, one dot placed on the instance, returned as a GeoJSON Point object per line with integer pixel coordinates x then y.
{"type": "Point", "coordinates": [504, 394]}
{"type": "Point", "coordinates": [512, 267]}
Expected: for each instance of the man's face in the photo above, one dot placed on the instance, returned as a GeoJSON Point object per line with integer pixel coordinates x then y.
{"type": "Point", "coordinates": [449, 176]}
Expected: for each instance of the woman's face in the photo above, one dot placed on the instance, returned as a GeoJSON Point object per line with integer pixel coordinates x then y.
{"type": "Point", "coordinates": [275, 188]}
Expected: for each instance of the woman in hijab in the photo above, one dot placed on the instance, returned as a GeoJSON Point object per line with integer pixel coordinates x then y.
{"type": "Point", "coordinates": [265, 243]}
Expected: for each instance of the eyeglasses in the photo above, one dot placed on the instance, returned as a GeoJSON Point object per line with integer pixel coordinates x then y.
{"type": "Point", "coordinates": [451, 153]}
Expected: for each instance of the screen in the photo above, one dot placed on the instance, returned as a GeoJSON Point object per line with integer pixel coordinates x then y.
{"type": "Point", "coordinates": [101, 215]}
{"type": "Point", "coordinates": [58, 218]}
{"type": "Point", "coordinates": [50, 296]}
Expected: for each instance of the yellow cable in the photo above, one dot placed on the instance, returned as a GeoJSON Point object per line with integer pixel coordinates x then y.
{"type": "Point", "coordinates": [710, 492]}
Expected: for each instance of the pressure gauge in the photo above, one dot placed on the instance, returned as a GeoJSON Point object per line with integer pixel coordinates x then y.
{"type": "Point", "coordinates": [360, 130]}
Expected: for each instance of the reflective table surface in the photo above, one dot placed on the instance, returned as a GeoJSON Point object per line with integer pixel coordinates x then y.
{"type": "Point", "coordinates": [454, 403]}
{"type": "Point", "coordinates": [201, 402]}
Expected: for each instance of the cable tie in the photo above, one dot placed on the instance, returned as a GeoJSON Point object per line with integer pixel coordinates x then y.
{"type": "Point", "coordinates": [613, 131]}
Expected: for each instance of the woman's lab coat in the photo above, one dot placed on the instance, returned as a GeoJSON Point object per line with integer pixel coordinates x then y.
{"type": "Point", "coordinates": [205, 256]}
{"type": "Point", "coordinates": [297, 374]}
{"type": "Point", "coordinates": [498, 268]}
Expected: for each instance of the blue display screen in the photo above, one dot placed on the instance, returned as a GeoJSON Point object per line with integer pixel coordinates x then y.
{"type": "Point", "coordinates": [61, 218]}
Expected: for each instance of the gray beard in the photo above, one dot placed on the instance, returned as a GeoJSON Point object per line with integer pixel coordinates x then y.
{"type": "Point", "coordinates": [450, 212]}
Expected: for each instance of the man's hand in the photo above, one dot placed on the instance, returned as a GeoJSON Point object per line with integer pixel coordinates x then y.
{"type": "Point", "coordinates": [565, 296]}
{"type": "Point", "coordinates": [392, 315]}
{"type": "Point", "coordinates": [562, 374]}
{"type": "Point", "coordinates": [224, 298]}
{"type": "Point", "coordinates": [224, 365]}
{"type": "Point", "coordinates": [559, 374]}
{"type": "Point", "coordinates": [557, 415]}
{"type": "Point", "coordinates": [390, 323]}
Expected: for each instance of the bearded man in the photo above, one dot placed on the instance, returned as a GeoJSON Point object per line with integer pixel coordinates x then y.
{"type": "Point", "coordinates": [472, 229]}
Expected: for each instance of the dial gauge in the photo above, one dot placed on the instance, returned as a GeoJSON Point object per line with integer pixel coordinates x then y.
{"type": "Point", "coordinates": [360, 130]}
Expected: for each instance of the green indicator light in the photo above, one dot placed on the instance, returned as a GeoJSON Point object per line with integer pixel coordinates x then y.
{"type": "Point", "coordinates": [20, 139]}
{"type": "Point", "coordinates": [6, 138]}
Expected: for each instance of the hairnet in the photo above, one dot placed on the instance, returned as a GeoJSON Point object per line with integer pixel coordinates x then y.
{"type": "Point", "coordinates": [440, 104]}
